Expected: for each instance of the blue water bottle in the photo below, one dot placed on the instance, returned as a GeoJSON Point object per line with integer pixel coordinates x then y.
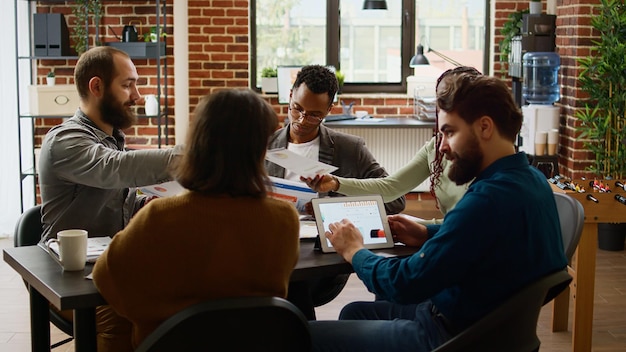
{"type": "Point", "coordinates": [541, 81]}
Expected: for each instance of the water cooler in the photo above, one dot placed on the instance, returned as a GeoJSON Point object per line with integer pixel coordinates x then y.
{"type": "Point", "coordinates": [540, 89]}
{"type": "Point", "coordinates": [535, 89]}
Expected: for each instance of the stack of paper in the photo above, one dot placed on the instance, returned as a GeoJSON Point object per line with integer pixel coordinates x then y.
{"type": "Point", "coordinates": [95, 247]}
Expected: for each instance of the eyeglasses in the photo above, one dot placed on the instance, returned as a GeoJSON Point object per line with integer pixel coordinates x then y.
{"type": "Point", "coordinates": [297, 113]}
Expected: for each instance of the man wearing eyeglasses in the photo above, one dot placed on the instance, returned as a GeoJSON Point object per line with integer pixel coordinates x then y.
{"type": "Point", "coordinates": [310, 100]}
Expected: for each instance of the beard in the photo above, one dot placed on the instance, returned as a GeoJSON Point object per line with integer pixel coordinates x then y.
{"type": "Point", "coordinates": [116, 113]}
{"type": "Point", "coordinates": [466, 166]}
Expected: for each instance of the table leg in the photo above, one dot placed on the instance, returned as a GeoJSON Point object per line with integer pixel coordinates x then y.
{"type": "Point", "coordinates": [39, 322]}
{"type": "Point", "coordinates": [85, 330]}
{"type": "Point", "coordinates": [584, 285]}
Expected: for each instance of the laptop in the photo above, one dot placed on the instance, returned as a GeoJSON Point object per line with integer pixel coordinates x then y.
{"type": "Point", "coordinates": [367, 213]}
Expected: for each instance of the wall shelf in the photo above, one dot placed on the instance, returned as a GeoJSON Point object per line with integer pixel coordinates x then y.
{"type": "Point", "coordinates": [27, 61]}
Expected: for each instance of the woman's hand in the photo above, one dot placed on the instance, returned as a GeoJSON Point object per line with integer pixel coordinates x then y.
{"type": "Point", "coordinates": [321, 183]}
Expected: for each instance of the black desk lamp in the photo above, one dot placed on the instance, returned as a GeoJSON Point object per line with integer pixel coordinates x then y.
{"type": "Point", "coordinates": [375, 5]}
{"type": "Point", "coordinates": [420, 59]}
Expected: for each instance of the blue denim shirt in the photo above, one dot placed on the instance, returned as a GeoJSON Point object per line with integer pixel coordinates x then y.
{"type": "Point", "coordinates": [503, 234]}
{"type": "Point", "coordinates": [88, 180]}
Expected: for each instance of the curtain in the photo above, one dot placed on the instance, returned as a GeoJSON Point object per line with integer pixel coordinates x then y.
{"type": "Point", "coordinates": [9, 157]}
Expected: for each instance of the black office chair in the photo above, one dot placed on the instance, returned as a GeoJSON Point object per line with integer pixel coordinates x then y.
{"type": "Point", "coordinates": [233, 324]}
{"type": "Point", "coordinates": [511, 327]}
{"type": "Point", "coordinates": [28, 232]}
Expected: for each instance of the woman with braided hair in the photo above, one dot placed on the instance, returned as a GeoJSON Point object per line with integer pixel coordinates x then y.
{"type": "Point", "coordinates": [427, 162]}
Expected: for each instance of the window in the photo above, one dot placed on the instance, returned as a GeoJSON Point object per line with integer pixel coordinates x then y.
{"type": "Point", "coordinates": [371, 47]}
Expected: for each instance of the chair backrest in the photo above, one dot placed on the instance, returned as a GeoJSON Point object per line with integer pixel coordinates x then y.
{"type": "Point", "coordinates": [29, 228]}
{"type": "Point", "coordinates": [28, 231]}
{"type": "Point", "coordinates": [572, 219]}
{"type": "Point", "coordinates": [233, 324]}
{"type": "Point", "coordinates": [511, 327]}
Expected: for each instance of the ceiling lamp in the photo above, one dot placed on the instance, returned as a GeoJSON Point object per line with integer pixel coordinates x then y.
{"type": "Point", "coordinates": [375, 5]}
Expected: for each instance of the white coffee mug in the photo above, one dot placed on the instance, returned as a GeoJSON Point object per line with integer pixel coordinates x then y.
{"type": "Point", "coordinates": [72, 246]}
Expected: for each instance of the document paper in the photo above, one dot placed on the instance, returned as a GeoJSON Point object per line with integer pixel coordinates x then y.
{"type": "Point", "coordinates": [298, 164]}
{"type": "Point", "coordinates": [294, 192]}
{"type": "Point", "coordinates": [161, 190]}
{"type": "Point", "coordinates": [95, 247]}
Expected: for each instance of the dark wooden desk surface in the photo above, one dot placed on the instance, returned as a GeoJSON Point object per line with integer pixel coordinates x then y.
{"type": "Point", "coordinates": [70, 290]}
{"type": "Point", "coordinates": [65, 290]}
{"type": "Point", "coordinates": [314, 263]}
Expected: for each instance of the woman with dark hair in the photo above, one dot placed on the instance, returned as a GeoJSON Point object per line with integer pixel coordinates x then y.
{"type": "Point", "coordinates": [224, 237]}
{"type": "Point", "coordinates": [427, 163]}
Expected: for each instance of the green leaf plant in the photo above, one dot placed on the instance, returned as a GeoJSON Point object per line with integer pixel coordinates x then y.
{"type": "Point", "coordinates": [603, 78]}
{"type": "Point", "coordinates": [82, 10]}
{"type": "Point", "coordinates": [269, 72]}
{"type": "Point", "coordinates": [510, 29]}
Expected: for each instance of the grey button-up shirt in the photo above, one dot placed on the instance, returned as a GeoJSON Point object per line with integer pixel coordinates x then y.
{"type": "Point", "coordinates": [87, 180]}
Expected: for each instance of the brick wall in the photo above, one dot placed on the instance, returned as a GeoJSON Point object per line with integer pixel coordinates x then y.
{"type": "Point", "coordinates": [219, 58]}
{"type": "Point", "coordinates": [573, 41]}
{"type": "Point", "coordinates": [218, 46]}
{"type": "Point", "coordinates": [115, 16]}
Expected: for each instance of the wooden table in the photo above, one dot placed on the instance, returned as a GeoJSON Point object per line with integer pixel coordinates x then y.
{"type": "Point", "coordinates": [70, 290]}
{"type": "Point", "coordinates": [64, 290]}
{"type": "Point", "coordinates": [583, 270]}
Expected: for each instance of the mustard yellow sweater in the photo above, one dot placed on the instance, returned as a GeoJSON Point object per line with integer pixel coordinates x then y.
{"type": "Point", "coordinates": [182, 250]}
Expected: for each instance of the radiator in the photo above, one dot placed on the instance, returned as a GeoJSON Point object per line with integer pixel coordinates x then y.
{"type": "Point", "coordinates": [393, 147]}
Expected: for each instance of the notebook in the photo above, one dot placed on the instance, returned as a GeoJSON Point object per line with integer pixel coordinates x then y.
{"type": "Point", "coordinates": [95, 247]}
{"type": "Point", "coordinates": [367, 213]}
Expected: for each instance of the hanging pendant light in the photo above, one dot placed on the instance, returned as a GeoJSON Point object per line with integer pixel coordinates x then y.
{"type": "Point", "coordinates": [375, 5]}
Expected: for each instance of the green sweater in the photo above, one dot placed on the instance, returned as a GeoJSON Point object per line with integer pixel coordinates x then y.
{"type": "Point", "coordinates": [182, 250]}
{"type": "Point", "coordinates": [406, 179]}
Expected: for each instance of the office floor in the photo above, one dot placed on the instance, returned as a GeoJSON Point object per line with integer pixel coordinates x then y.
{"type": "Point", "coordinates": [609, 325]}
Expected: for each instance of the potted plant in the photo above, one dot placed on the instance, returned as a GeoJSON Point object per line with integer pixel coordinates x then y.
{"type": "Point", "coordinates": [269, 80]}
{"type": "Point", "coordinates": [603, 119]}
{"type": "Point", "coordinates": [82, 11]}
{"type": "Point", "coordinates": [51, 78]}
{"type": "Point", "coordinates": [511, 29]}
{"type": "Point", "coordinates": [152, 36]}
{"type": "Point", "coordinates": [340, 78]}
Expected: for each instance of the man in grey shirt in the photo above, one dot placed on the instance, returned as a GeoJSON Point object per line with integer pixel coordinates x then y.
{"type": "Point", "coordinates": [86, 177]}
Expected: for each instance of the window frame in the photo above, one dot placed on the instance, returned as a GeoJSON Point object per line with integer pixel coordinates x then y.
{"type": "Point", "coordinates": [407, 47]}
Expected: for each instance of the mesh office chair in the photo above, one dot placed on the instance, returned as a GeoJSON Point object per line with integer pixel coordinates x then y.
{"type": "Point", "coordinates": [511, 327]}
{"type": "Point", "coordinates": [233, 324]}
{"type": "Point", "coordinates": [572, 219]}
{"type": "Point", "coordinates": [28, 232]}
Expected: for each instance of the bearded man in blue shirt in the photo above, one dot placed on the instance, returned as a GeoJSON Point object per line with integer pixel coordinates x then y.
{"type": "Point", "coordinates": [501, 236]}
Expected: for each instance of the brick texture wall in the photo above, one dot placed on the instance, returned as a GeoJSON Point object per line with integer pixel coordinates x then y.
{"type": "Point", "coordinates": [117, 14]}
{"type": "Point", "coordinates": [574, 37]}
{"type": "Point", "coordinates": [219, 58]}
